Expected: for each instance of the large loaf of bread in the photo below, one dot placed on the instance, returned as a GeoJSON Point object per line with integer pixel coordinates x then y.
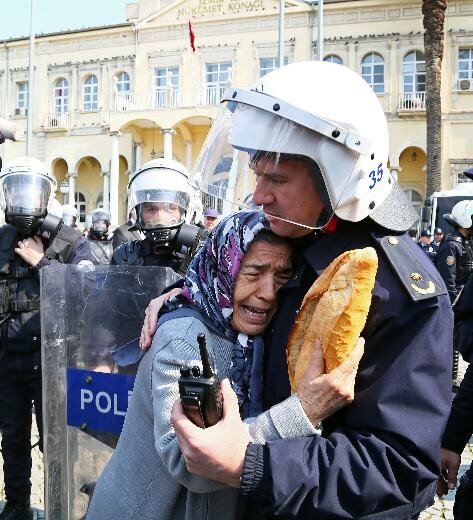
{"type": "Point", "coordinates": [334, 310]}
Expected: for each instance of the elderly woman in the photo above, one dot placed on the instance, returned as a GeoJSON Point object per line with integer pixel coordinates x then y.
{"type": "Point", "coordinates": [230, 296]}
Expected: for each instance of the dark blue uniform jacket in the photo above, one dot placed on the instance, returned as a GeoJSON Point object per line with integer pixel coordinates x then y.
{"type": "Point", "coordinates": [379, 456]}
{"type": "Point", "coordinates": [448, 257]}
{"type": "Point", "coordinates": [463, 328]}
{"type": "Point", "coordinates": [460, 423]}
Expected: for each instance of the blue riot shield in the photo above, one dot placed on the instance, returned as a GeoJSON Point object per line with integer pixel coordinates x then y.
{"type": "Point", "coordinates": [91, 321]}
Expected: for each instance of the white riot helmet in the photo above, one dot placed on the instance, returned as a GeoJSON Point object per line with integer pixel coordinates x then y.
{"type": "Point", "coordinates": [318, 112]}
{"type": "Point", "coordinates": [26, 190]}
{"type": "Point", "coordinates": [70, 215]}
{"type": "Point", "coordinates": [461, 215]}
{"type": "Point", "coordinates": [161, 194]}
{"type": "Point", "coordinates": [98, 222]}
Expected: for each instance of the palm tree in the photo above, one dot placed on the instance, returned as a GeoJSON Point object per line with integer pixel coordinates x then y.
{"type": "Point", "coordinates": [434, 18]}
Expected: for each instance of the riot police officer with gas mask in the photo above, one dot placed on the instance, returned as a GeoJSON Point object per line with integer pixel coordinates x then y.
{"type": "Point", "coordinates": [455, 255]}
{"type": "Point", "coordinates": [70, 215]}
{"type": "Point", "coordinates": [31, 239]}
{"type": "Point", "coordinates": [99, 240]}
{"type": "Point", "coordinates": [162, 196]}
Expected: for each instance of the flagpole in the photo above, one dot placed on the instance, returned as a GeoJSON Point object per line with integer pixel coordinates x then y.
{"type": "Point", "coordinates": [191, 40]}
{"type": "Point", "coordinates": [281, 33]}
{"type": "Point", "coordinates": [29, 120]}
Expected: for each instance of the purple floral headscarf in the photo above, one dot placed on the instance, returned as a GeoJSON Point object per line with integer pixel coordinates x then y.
{"type": "Point", "coordinates": [209, 287]}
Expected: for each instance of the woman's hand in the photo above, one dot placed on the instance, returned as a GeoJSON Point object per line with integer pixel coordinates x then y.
{"type": "Point", "coordinates": [151, 317]}
{"type": "Point", "coordinates": [323, 394]}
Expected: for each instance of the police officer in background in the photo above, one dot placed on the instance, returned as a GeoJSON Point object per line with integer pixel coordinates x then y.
{"type": "Point", "coordinates": [438, 236]}
{"type": "Point", "coordinates": [425, 243]}
{"type": "Point", "coordinates": [122, 234]}
{"type": "Point", "coordinates": [31, 239]}
{"type": "Point", "coordinates": [70, 215]}
{"type": "Point", "coordinates": [99, 240]}
{"type": "Point", "coordinates": [455, 255]}
{"type": "Point", "coordinates": [162, 198]}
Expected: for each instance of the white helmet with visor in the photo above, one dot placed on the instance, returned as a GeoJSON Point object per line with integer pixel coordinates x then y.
{"type": "Point", "coordinates": [318, 112]}
{"type": "Point", "coordinates": [461, 215]}
{"type": "Point", "coordinates": [161, 194]}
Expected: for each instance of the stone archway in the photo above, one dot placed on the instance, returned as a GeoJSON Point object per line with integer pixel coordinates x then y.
{"type": "Point", "coordinates": [412, 170]}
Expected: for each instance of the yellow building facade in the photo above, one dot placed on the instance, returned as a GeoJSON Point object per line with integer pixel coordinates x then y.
{"type": "Point", "coordinates": [107, 99]}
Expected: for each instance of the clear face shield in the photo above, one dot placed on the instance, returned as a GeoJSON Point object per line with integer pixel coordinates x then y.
{"type": "Point", "coordinates": [299, 168]}
{"type": "Point", "coordinates": [161, 198]}
{"type": "Point", "coordinates": [69, 220]}
{"type": "Point", "coordinates": [25, 194]}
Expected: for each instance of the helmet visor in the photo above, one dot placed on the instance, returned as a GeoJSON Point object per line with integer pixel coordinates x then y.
{"type": "Point", "coordinates": [160, 214]}
{"type": "Point", "coordinates": [249, 150]}
{"type": "Point", "coordinates": [69, 220]}
{"type": "Point", "coordinates": [26, 194]}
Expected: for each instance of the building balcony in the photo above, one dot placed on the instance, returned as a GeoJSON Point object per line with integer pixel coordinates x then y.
{"type": "Point", "coordinates": [169, 98]}
{"type": "Point", "coordinates": [411, 102]}
{"type": "Point", "coordinates": [59, 121]}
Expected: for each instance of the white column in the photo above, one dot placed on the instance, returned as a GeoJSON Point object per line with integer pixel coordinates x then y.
{"type": "Point", "coordinates": [114, 173]}
{"type": "Point", "coordinates": [167, 132]}
{"type": "Point", "coordinates": [188, 154]}
{"type": "Point", "coordinates": [106, 191]}
{"type": "Point", "coordinates": [72, 187]}
{"type": "Point", "coordinates": [138, 156]}
{"type": "Point", "coordinates": [395, 172]}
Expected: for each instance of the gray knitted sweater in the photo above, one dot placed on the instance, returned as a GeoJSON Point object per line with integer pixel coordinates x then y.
{"type": "Point", "coordinates": [146, 478]}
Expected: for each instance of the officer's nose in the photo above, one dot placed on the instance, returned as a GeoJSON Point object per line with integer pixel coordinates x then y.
{"type": "Point", "coordinates": [262, 195]}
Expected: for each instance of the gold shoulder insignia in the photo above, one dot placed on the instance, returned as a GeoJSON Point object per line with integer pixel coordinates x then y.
{"type": "Point", "coordinates": [450, 260]}
{"type": "Point", "coordinates": [430, 289]}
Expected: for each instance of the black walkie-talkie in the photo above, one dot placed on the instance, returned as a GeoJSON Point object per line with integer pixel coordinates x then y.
{"type": "Point", "coordinates": [200, 393]}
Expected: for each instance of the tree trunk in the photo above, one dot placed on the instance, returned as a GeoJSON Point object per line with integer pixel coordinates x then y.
{"type": "Point", "coordinates": [434, 18]}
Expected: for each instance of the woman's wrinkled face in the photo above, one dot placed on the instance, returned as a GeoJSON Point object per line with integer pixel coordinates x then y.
{"type": "Point", "coordinates": [264, 269]}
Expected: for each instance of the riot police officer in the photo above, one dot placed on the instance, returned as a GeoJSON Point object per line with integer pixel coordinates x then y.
{"type": "Point", "coordinates": [122, 234]}
{"type": "Point", "coordinates": [31, 239]}
{"type": "Point", "coordinates": [455, 255]}
{"type": "Point", "coordinates": [320, 166]}
{"type": "Point", "coordinates": [70, 215]}
{"type": "Point", "coordinates": [98, 236]}
{"type": "Point", "coordinates": [162, 197]}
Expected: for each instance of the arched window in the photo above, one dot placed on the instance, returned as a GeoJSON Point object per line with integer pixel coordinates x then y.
{"type": "Point", "coordinates": [80, 205]}
{"type": "Point", "coordinates": [413, 69]}
{"type": "Point", "coordinates": [372, 71]}
{"type": "Point", "coordinates": [415, 198]}
{"type": "Point", "coordinates": [333, 58]}
{"type": "Point", "coordinates": [91, 93]}
{"type": "Point", "coordinates": [61, 96]}
{"type": "Point", "coordinates": [123, 82]}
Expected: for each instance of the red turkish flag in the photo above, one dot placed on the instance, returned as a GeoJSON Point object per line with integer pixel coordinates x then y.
{"type": "Point", "coordinates": [191, 36]}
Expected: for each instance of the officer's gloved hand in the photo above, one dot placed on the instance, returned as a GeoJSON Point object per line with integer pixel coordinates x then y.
{"type": "Point", "coordinates": [323, 394]}
{"type": "Point", "coordinates": [151, 317]}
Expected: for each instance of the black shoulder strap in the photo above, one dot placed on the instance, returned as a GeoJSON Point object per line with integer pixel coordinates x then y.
{"type": "Point", "coordinates": [8, 237]}
{"type": "Point", "coordinates": [62, 244]}
{"type": "Point", "coordinates": [200, 237]}
{"type": "Point", "coordinates": [420, 282]}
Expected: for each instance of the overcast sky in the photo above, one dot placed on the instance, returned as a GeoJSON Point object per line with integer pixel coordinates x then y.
{"type": "Point", "coordinates": [58, 15]}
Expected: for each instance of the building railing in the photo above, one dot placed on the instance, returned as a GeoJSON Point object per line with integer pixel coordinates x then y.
{"type": "Point", "coordinates": [167, 98]}
{"type": "Point", "coordinates": [59, 120]}
{"type": "Point", "coordinates": [411, 101]}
